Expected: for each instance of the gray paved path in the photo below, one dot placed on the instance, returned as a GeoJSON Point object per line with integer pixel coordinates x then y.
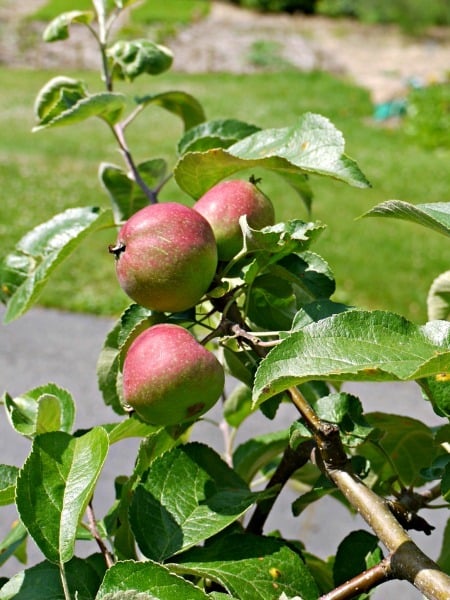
{"type": "Point", "coordinates": [63, 348]}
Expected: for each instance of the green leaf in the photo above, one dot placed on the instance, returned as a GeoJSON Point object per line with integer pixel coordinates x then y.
{"type": "Point", "coordinates": [238, 405]}
{"type": "Point", "coordinates": [25, 271]}
{"type": "Point", "coordinates": [126, 195]}
{"type": "Point", "coordinates": [254, 454]}
{"type": "Point", "coordinates": [356, 553]}
{"type": "Point", "coordinates": [437, 390]}
{"type": "Point", "coordinates": [8, 477]}
{"type": "Point", "coordinates": [146, 581]}
{"type": "Point", "coordinates": [346, 411]}
{"type": "Point", "coordinates": [130, 428]}
{"type": "Point", "coordinates": [436, 215]}
{"type": "Point", "coordinates": [56, 96]}
{"type": "Point", "coordinates": [438, 300]}
{"type": "Point", "coordinates": [43, 581]}
{"type": "Point", "coordinates": [271, 303]}
{"type": "Point", "coordinates": [408, 442]}
{"type": "Point", "coordinates": [251, 567]}
{"type": "Point", "coordinates": [178, 103]}
{"type": "Point", "coordinates": [316, 311]}
{"type": "Point", "coordinates": [219, 133]}
{"type": "Point", "coordinates": [444, 557]}
{"type": "Point", "coordinates": [42, 409]}
{"type": "Point", "coordinates": [130, 59]}
{"type": "Point", "coordinates": [355, 346]}
{"type": "Point", "coordinates": [58, 29]}
{"type": "Point", "coordinates": [14, 542]}
{"type": "Point", "coordinates": [108, 106]}
{"type": "Point", "coordinates": [55, 486]}
{"type": "Point", "coordinates": [168, 518]}
{"type": "Point", "coordinates": [280, 239]}
{"type": "Point", "coordinates": [312, 146]}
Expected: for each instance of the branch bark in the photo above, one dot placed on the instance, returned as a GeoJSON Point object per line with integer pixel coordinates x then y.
{"type": "Point", "coordinates": [407, 560]}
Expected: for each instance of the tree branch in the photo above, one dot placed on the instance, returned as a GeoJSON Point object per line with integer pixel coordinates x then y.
{"type": "Point", "coordinates": [290, 462]}
{"type": "Point", "coordinates": [363, 582]}
{"type": "Point", "coordinates": [407, 560]}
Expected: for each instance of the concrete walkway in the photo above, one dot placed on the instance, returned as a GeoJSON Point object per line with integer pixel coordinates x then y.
{"type": "Point", "coordinates": [46, 346]}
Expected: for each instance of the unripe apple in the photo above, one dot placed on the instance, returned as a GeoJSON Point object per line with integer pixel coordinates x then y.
{"type": "Point", "coordinates": [222, 206]}
{"type": "Point", "coordinates": [166, 257]}
{"type": "Point", "coordinates": [169, 378]}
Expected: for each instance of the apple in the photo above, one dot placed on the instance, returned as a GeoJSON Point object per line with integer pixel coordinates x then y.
{"type": "Point", "coordinates": [166, 257]}
{"type": "Point", "coordinates": [225, 203]}
{"type": "Point", "coordinates": [169, 378]}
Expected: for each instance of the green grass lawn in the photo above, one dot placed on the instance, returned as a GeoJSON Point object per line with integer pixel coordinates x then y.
{"type": "Point", "coordinates": [378, 263]}
{"type": "Point", "coordinates": [172, 12]}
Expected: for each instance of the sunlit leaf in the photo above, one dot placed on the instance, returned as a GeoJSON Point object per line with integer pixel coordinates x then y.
{"type": "Point", "coordinates": [25, 271]}
{"type": "Point", "coordinates": [312, 146]}
{"type": "Point", "coordinates": [251, 567]}
{"type": "Point", "coordinates": [145, 581]}
{"type": "Point", "coordinates": [178, 103]}
{"type": "Point", "coordinates": [168, 518]}
{"type": "Point", "coordinates": [45, 408]}
{"type": "Point", "coordinates": [58, 29]}
{"type": "Point", "coordinates": [219, 133]}
{"type": "Point", "coordinates": [55, 486]}
{"type": "Point", "coordinates": [435, 215]}
{"type": "Point", "coordinates": [135, 57]}
{"type": "Point", "coordinates": [356, 346]}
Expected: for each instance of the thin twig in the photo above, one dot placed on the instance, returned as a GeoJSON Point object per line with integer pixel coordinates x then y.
{"type": "Point", "coordinates": [290, 462]}
{"type": "Point", "coordinates": [109, 559]}
{"type": "Point", "coordinates": [363, 582]}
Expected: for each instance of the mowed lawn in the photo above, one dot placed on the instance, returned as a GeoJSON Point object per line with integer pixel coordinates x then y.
{"type": "Point", "coordinates": [378, 263]}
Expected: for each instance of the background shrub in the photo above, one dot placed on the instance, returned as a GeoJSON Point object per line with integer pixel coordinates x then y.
{"type": "Point", "coordinates": [428, 115]}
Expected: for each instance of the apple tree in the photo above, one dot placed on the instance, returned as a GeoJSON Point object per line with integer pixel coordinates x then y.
{"type": "Point", "coordinates": [220, 286]}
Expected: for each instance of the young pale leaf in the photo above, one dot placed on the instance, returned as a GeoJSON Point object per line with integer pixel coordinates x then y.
{"type": "Point", "coordinates": [146, 581]}
{"type": "Point", "coordinates": [312, 146]}
{"type": "Point", "coordinates": [178, 103]}
{"type": "Point", "coordinates": [42, 409]}
{"type": "Point", "coordinates": [280, 239]}
{"type": "Point", "coordinates": [251, 567]}
{"type": "Point", "coordinates": [58, 95]}
{"type": "Point", "coordinates": [8, 477]}
{"type": "Point", "coordinates": [356, 346]}
{"type": "Point", "coordinates": [14, 542]}
{"type": "Point", "coordinates": [58, 29]}
{"type": "Point", "coordinates": [43, 581]}
{"type": "Point", "coordinates": [219, 133]}
{"type": "Point", "coordinates": [25, 271]}
{"type": "Point", "coordinates": [55, 486]}
{"type": "Point", "coordinates": [133, 58]}
{"type": "Point", "coordinates": [436, 215]}
{"type": "Point", "coordinates": [438, 300]}
{"type": "Point", "coordinates": [108, 106]}
{"type": "Point", "coordinates": [189, 495]}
